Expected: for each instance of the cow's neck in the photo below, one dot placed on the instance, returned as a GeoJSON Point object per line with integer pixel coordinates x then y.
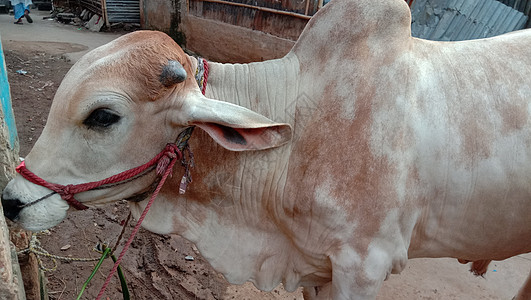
{"type": "Point", "coordinates": [233, 194]}
{"type": "Point", "coordinates": [265, 87]}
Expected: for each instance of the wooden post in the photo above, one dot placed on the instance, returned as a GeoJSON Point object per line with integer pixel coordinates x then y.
{"type": "Point", "coordinates": [143, 24]}
{"type": "Point", "coordinates": [104, 13]}
{"type": "Point", "coordinates": [306, 11]}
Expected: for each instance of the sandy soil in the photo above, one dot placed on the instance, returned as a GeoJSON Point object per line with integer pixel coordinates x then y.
{"type": "Point", "coordinates": [155, 266]}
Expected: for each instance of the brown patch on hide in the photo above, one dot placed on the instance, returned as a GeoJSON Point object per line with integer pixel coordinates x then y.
{"type": "Point", "coordinates": [361, 184]}
{"type": "Point", "coordinates": [359, 50]}
{"type": "Point", "coordinates": [476, 140]}
{"type": "Point", "coordinates": [514, 116]}
{"type": "Point", "coordinates": [210, 189]}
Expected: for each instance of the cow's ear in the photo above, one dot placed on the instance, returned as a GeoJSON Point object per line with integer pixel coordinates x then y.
{"type": "Point", "coordinates": [237, 128]}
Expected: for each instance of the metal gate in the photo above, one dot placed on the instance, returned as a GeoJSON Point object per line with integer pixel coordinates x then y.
{"type": "Point", "coordinates": [114, 11]}
{"type": "Point", "coordinates": [126, 11]}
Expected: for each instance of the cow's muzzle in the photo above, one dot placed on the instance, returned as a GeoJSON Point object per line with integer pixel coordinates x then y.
{"type": "Point", "coordinates": [12, 207]}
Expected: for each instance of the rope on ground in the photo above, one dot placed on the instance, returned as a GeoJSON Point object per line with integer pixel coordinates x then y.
{"type": "Point", "coordinates": [36, 248]}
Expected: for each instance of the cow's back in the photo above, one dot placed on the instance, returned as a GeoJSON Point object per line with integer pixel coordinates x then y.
{"type": "Point", "coordinates": [472, 155]}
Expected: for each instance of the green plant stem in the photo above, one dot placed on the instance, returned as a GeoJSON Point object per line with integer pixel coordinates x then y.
{"type": "Point", "coordinates": [123, 283]}
{"type": "Point", "coordinates": [103, 256]}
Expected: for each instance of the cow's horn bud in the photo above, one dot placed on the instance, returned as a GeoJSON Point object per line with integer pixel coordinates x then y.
{"type": "Point", "coordinates": [172, 73]}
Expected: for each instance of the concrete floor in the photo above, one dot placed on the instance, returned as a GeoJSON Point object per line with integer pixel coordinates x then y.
{"type": "Point", "coordinates": [46, 30]}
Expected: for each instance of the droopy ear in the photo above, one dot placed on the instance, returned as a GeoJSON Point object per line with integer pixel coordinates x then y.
{"type": "Point", "coordinates": [237, 128]}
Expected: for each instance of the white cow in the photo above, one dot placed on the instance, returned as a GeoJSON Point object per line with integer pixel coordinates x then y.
{"type": "Point", "coordinates": [366, 147]}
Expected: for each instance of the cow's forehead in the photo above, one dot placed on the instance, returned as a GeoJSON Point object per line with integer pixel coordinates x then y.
{"type": "Point", "coordinates": [142, 45]}
{"type": "Point", "coordinates": [121, 64]}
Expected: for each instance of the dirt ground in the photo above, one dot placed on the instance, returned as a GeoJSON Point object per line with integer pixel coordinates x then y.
{"type": "Point", "coordinates": [155, 266]}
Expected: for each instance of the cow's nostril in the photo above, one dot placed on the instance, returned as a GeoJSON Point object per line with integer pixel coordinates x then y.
{"type": "Point", "coordinates": [12, 208]}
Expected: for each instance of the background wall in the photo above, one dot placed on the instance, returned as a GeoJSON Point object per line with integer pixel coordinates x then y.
{"type": "Point", "coordinates": [222, 32]}
{"type": "Point", "coordinates": [240, 31]}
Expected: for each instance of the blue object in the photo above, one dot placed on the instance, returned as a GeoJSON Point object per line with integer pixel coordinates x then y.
{"type": "Point", "coordinates": [5, 97]}
{"type": "Point", "coordinates": [19, 10]}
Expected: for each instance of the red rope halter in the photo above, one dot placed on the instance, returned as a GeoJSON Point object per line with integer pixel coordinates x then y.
{"type": "Point", "coordinates": [205, 76]}
{"type": "Point", "coordinates": [67, 192]}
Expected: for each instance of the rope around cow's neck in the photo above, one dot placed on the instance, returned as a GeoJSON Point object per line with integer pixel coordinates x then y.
{"type": "Point", "coordinates": [201, 74]}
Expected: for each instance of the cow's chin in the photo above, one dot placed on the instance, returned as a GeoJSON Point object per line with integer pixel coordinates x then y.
{"type": "Point", "coordinates": [41, 217]}
{"type": "Point", "coordinates": [156, 220]}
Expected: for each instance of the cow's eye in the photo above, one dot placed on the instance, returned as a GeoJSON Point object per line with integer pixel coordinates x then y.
{"type": "Point", "coordinates": [101, 118]}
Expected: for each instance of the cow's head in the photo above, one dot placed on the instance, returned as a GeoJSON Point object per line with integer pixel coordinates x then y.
{"type": "Point", "coordinates": [116, 109]}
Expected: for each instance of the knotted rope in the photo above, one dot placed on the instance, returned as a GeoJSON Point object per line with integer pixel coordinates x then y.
{"type": "Point", "coordinates": [67, 192]}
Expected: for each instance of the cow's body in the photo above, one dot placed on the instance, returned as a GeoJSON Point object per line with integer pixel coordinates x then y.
{"type": "Point", "coordinates": [401, 148]}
